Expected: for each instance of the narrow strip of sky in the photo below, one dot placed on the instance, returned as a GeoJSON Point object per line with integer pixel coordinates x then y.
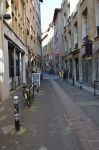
{"type": "Point", "coordinates": [73, 4]}
{"type": "Point", "coordinates": [47, 12]}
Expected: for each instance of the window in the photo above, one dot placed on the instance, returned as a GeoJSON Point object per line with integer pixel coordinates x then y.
{"type": "Point", "coordinates": [84, 25]}
{"type": "Point", "coordinates": [69, 41]}
{"type": "Point", "coordinates": [17, 67]}
{"type": "Point", "coordinates": [13, 21]}
{"type": "Point", "coordinates": [66, 45]}
{"type": "Point", "coordinates": [11, 62]}
{"type": "Point", "coordinates": [64, 20]}
{"type": "Point", "coordinates": [16, 27]}
{"type": "Point", "coordinates": [97, 16]}
{"type": "Point", "coordinates": [7, 4]}
{"type": "Point", "coordinates": [76, 35]}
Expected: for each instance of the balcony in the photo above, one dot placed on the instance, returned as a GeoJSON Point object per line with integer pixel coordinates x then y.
{"type": "Point", "coordinates": [75, 51]}
{"type": "Point", "coordinates": [76, 46]}
{"type": "Point", "coordinates": [97, 31]}
{"type": "Point", "coordinates": [88, 49]}
{"type": "Point", "coordinates": [85, 39]}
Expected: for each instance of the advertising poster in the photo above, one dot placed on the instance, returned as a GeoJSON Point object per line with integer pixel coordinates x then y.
{"type": "Point", "coordinates": [36, 79]}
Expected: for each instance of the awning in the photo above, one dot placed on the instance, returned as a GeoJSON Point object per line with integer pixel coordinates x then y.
{"type": "Point", "coordinates": [14, 45]}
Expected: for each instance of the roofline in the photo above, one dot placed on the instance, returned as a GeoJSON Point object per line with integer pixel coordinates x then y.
{"type": "Point", "coordinates": [55, 14]}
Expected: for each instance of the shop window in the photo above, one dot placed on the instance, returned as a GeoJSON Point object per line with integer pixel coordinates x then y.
{"type": "Point", "coordinates": [11, 63]}
{"type": "Point", "coordinates": [17, 67]}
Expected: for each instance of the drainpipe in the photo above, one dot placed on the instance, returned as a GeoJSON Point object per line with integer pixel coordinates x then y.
{"type": "Point", "coordinates": [20, 64]}
{"type": "Point", "coordinates": [14, 80]}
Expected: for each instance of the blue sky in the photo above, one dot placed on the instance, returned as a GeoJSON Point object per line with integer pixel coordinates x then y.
{"type": "Point", "coordinates": [47, 12]}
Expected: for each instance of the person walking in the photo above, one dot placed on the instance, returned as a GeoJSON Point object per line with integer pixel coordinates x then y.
{"type": "Point", "coordinates": [64, 77]}
{"type": "Point", "coordinates": [62, 74]}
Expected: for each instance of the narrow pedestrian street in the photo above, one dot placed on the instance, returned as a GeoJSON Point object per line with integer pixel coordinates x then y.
{"type": "Point", "coordinates": [49, 75]}
{"type": "Point", "coordinates": [57, 120]}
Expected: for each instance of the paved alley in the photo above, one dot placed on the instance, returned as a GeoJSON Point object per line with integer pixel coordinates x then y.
{"type": "Point", "coordinates": [55, 121]}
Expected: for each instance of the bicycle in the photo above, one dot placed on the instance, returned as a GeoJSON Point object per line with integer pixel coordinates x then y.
{"type": "Point", "coordinates": [37, 86]}
{"type": "Point", "coordinates": [28, 94]}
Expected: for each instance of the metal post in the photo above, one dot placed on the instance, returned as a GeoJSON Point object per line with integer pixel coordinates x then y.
{"type": "Point", "coordinates": [94, 89]}
{"type": "Point", "coordinates": [20, 75]}
{"type": "Point", "coordinates": [14, 82]}
{"type": "Point", "coordinates": [1, 55]}
{"type": "Point", "coordinates": [37, 86]}
{"type": "Point", "coordinates": [80, 83]}
{"type": "Point", "coordinates": [29, 98]}
{"type": "Point", "coordinates": [16, 113]}
{"type": "Point", "coordinates": [73, 80]}
{"type": "Point", "coordinates": [33, 91]}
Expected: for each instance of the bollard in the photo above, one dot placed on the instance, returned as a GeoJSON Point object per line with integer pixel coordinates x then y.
{"type": "Point", "coordinates": [16, 113]}
{"type": "Point", "coordinates": [94, 88]}
{"type": "Point", "coordinates": [80, 83]}
{"type": "Point", "coordinates": [33, 89]}
{"type": "Point", "coordinates": [37, 86]}
{"type": "Point", "coordinates": [73, 80]}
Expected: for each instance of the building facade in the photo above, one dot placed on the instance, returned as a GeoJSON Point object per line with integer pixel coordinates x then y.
{"type": "Point", "coordinates": [37, 35]}
{"type": "Point", "coordinates": [58, 48]}
{"type": "Point", "coordinates": [33, 36]}
{"type": "Point", "coordinates": [17, 27]}
{"type": "Point", "coordinates": [48, 50]}
{"type": "Point", "coordinates": [81, 35]}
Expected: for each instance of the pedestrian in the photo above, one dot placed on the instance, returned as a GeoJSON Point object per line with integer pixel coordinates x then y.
{"type": "Point", "coordinates": [60, 75]}
{"type": "Point", "coordinates": [64, 77]}
{"type": "Point", "coordinates": [67, 72]}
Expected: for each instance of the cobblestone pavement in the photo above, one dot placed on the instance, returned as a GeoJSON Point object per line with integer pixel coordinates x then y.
{"type": "Point", "coordinates": [83, 109]}
{"type": "Point", "coordinates": [55, 121]}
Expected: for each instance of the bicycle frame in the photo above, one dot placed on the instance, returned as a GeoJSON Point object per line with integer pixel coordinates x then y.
{"type": "Point", "coordinates": [28, 93]}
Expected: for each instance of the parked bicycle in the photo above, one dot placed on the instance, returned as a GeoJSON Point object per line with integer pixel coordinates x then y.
{"type": "Point", "coordinates": [28, 93]}
{"type": "Point", "coordinates": [37, 86]}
